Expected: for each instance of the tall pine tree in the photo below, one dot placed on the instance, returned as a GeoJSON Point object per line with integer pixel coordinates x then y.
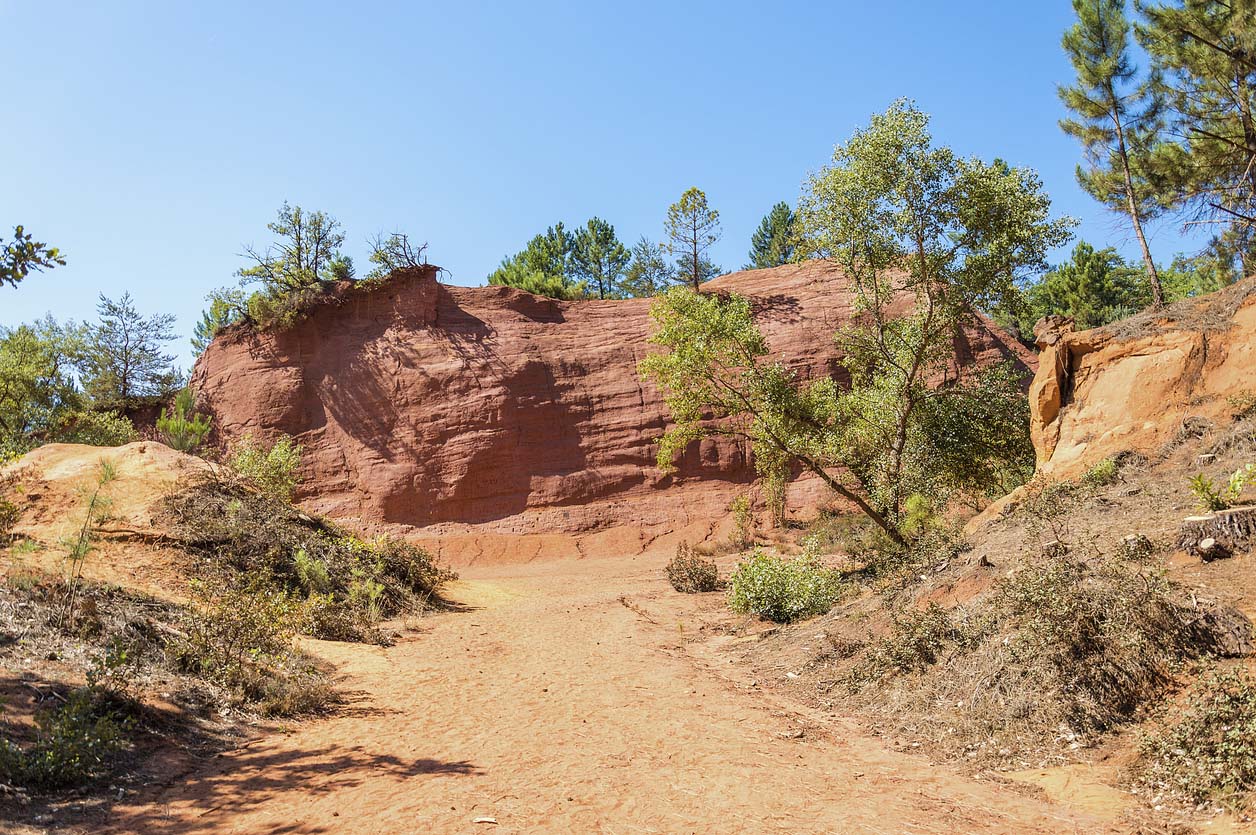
{"type": "Point", "coordinates": [692, 228]}
{"type": "Point", "coordinates": [1116, 120]}
{"type": "Point", "coordinates": [772, 243]}
{"type": "Point", "coordinates": [1205, 52]}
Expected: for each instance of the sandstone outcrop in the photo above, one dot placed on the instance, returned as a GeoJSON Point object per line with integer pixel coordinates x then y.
{"type": "Point", "coordinates": [493, 413]}
{"type": "Point", "coordinates": [1132, 385]}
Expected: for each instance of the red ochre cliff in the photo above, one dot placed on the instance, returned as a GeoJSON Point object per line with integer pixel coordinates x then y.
{"type": "Point", "coordinates": [506, 422]}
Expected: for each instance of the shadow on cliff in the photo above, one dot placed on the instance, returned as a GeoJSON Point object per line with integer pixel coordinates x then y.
{"type": "Point", "coordinates": [519, 417]}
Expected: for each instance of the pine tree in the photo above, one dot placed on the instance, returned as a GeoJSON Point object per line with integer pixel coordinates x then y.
{"type": "Point", "coordinates": [123, 356]}
{"type": "Point", "coordinates": [692, 228]}
{"type": "Point", "coordinates": [598, 258]}
{"type": "Point", "coordinates": [544, 267]}
{"type": "Point", "coordinates": [1117, 121]}
{"type": "Point", "coordinates": [1203, 50]}
{"type": "Point", "coordinates": [772, 243]}
{"type": "Point", "coordinates": [305, 252]}
{"type": "Point", "coordinates": [648, 273]}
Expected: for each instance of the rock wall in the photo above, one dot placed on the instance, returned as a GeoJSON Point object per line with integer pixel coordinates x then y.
{"type": "Point", "coordinates": [1130, 386]}
{"type": "Point", "coordinates": [495, 411]}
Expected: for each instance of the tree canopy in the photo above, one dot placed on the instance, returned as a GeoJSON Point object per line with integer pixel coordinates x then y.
{"type": "Point", "coordinates": [905, 220]}
{"type": "Point", "coordinates": [772, 244]}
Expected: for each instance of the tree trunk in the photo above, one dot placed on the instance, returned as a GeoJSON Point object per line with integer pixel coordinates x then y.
{"type": "Point", "coordinates": [1157, 292]}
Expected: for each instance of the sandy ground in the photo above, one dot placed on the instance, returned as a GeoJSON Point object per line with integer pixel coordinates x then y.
{"type": "Point", "coordinates": [572, 697]}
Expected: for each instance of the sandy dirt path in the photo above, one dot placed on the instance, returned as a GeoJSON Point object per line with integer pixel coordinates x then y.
{"type": "Point", "coordinates": [551, 705]}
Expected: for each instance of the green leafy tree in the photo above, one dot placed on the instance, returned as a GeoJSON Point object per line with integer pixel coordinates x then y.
{"type": "Point", "coordinates": [772, 243]}
{"type": "Point", "coordinates": [394, 252]}
{"type": "Point", "coordinates": [304, 253]}
{"type": "Point", "coordinates": [1203, 51]}
{"type": "Point", "coordinates": [599, 259]}
{"type": "Point", "coordinates": [1117, 121]}
{"type": "Point", "coordinates": [905, 221]}
{"type": "Point", "coordinates": [648, 273]}
{"type": "Point", "coordinates": [122, 355]}
{"type": "Point", "coordinates": [22, 255]}
{"type": "Point", "coordinates": [693, 227]}
{"type": "Point", "coordinates": [37, 387]}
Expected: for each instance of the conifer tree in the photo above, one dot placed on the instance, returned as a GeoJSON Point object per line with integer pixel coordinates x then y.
{"type": "Point", "coordinates": [1116, 120]}
{"type": "Point", "coordinates": [772, 243]}
{"type": "Point", "coordinates": [599, 259]}
{"type": "Point", "coordinates": [692, 228]}
{"type": "Point", "coordinates": [1205, 54]}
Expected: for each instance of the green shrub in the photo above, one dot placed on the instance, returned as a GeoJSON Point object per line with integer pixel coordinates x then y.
{"type": "Point", "coordinates": [272, 470]}
{"type": "Point", "coordinates": [1209, 752]}
{"type": "Point", "coordinates": [346, 585]}
{"type": "Point", "coordinates": [241, 637]}
{"type": "Point", "coordinates": [74, 745]}
{"type": "Point", "coordinates": [783, 589]}
{"type": "Point", "coordinates": [743, 521]}
{"type": "Point", "coordinates": [1242, 405]}
{"type": "Point", "coordinates": [9, 515]}
{"type": "Point", "coordinates": [1101, 474]}
{"type": "Point", "coordinates": [690, 573]}
{"type": "Point", "coordinates": [94, 429]}
{"type": "Point", "coordinates": [183, 429]}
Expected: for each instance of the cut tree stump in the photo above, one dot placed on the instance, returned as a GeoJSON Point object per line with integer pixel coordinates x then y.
{"type": "Point", "coordinates": [1220, 534]}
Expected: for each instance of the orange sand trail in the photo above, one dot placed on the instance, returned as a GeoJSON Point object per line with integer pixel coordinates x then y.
{"type": "Point", "coordinates": [568, 698]}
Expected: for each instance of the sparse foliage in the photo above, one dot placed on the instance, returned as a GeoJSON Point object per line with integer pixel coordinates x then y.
{"type": "Point", "coordinates": [123, 357]}
{"type": "Point", "coordinates": [693, 227]}
{"type": "Point", "coordinates": [24, 255]}
{"type": "Point", "coordinates": [691, 573]}
{"type": "Point", "coordinates": [394, 252]}
{"type": "Point", "coordinates": [598, 259]}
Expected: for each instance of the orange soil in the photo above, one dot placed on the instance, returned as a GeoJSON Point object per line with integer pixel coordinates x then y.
{"type": "Point", "coordinates": [576, 696]}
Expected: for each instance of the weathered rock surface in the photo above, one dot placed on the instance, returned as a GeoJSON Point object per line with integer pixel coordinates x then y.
{"type": "Point", "coordinates": [495, 413]}
{"type": "Point", "coordinates": [1131, 385]}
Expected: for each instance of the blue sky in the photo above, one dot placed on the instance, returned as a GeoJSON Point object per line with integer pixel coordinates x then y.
{"type": "Point", "coordinates": [151, 140]}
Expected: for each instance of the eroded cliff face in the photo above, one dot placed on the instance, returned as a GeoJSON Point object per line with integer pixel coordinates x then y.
{"type": "Point", "coordinates": [451, 408]}
{"type": "Point", "coordinates": [1130, 386]}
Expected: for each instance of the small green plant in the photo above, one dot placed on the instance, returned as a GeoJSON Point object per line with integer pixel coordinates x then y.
{"type": "Point", "coordinates": [9, 514]}
{"type": "Point", "coordinates": [80, 546]}
{"type": "Point", "coordinates": [782, 589]}
{"type": "Point", "coordinates": [74, 745]}
{"type": "Point", "coordinates": [183, 428]}
{"type": "Point", "coordinates": [743, 522]}
{"type": "Point", "coordinates": [690, 573]}
{"type": "Point", "coordinates": [1242, 405]}
{"type": "Point", "coordinates": [241, 636]}
{"type": "Point", "coordinates": [1209, 753]}
{"type": "Point", "coordinates": [1213, 497]}
{"type": "Point", "coordinates": [272, 470]}
{"type": "Point", "coordinates": [1101, 474]}
{"type": "Point", "coordinates": [311, 573]}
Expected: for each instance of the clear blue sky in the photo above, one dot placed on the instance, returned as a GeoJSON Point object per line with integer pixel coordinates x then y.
{"type": "Point", "coordinates": [151, 140]}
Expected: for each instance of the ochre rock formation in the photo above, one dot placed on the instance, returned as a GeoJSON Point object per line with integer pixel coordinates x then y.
{"type": "Point", "coordinates": [1131, 385]}
{"type": "Point", "coordinates": [492, 413]}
